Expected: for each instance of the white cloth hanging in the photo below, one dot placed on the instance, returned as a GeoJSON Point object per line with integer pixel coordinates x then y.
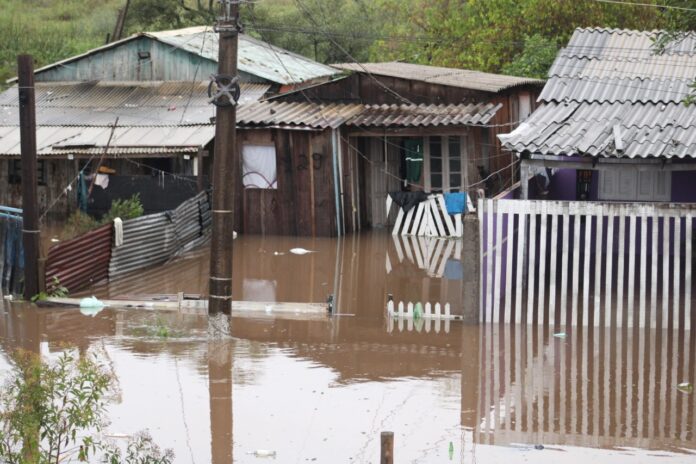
{"type": "Point", "coordinates": [118, 232]}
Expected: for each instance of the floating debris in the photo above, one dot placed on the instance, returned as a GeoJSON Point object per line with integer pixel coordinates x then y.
{"type": "Point", "coordinates": [300, 251]}
{"type": "Point", "coordinates": [685, 387]}
{"type": "Point", "coordinates": [560, 335]}
{"type": "Point", "coordinates": [278, 253]}
{"type": "Point", "coordinates": [539, 447]}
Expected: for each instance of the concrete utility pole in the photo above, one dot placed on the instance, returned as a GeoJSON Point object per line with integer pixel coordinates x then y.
{"type": "Point", "coordinates": [224, 92]}
{"type": "Point", "coordinates": [27, 131]}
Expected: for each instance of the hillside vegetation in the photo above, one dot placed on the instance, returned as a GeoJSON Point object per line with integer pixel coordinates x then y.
{"type": "Point", "coordinates": [518, 37]}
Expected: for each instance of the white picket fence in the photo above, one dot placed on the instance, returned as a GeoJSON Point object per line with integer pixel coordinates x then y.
{"type": "Point", "coordinates": [429, 219]}
{"type": "Point", "coordinates": [579, 263]}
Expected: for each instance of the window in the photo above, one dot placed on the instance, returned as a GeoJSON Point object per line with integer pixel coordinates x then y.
{"type": "Point", "coordinates": [259, 167]}
{"type": "Point", "coordinates": [15, 172]}
{"type": "Point", "coordinates": [445, 164]}
{"type": "Point", "coordinates": [630, 184]}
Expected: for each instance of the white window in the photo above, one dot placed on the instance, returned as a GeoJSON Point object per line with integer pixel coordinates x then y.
{"type": "Point", "coordinates": [444, 164]}
{"type": "Point", "coordinates": [630, 184]}
{"type": "Point", "coordinates": [259, 167]}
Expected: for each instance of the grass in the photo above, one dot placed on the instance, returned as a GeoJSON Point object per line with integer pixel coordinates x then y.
{"type": "Point", "coordinates": [52, 30]}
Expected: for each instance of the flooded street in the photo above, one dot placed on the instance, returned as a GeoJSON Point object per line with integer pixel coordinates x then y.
{"type": "Point", "coordinates": [323, 390]}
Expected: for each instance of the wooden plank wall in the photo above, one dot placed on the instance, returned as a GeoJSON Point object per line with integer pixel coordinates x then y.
{"type": "Point", "coordinates": [304, 203]}
{"type": "Point", "coordinates": [599, 387]}
{"type": "Point", "coordinates": [609, 264]}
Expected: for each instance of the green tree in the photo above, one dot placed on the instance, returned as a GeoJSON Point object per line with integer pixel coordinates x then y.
{"type": "Point", "coordinates": [535, 59]}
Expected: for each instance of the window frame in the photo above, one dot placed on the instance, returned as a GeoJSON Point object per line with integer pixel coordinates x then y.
{"type": "Point", "coordinates": [446, 158]}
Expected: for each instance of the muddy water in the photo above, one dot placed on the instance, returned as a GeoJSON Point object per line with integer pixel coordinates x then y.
{"type": "Point", "coordinates": [323, 390]}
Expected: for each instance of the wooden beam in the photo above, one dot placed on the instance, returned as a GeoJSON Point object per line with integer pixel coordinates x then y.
{"type": "Point", "coordinates": [608, 165]}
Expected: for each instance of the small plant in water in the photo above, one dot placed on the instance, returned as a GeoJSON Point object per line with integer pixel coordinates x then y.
{"type": "Point", "coordinates": [56, 291]}
{"type": "Point", "coordinates": [51, 412]}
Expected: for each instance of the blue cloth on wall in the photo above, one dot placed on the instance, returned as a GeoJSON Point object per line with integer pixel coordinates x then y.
{"type": "Point", "coordinates": [455, 203]}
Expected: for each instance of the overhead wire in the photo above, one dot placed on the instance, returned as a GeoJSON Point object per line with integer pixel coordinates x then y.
{"type": "Point", "coordinates": [649, 5]}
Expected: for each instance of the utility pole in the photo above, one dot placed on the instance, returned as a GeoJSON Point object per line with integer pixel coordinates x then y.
{"type": "Point", "coordinates": [30, 217]}
{"type": "Point", "coordinates": [224, 92]}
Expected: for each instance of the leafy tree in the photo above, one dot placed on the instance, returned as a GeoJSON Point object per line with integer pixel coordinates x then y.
{"type": "Point", "coordinates": [535, 59]}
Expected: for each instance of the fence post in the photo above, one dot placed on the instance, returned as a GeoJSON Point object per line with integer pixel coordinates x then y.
{"type": "Point", "coordinates": [471, 262]}
{"type": "Point", "coordinates": [387, 448]}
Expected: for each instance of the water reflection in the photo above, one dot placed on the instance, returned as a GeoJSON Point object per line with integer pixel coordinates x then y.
{"type": "Point", "coordinates": [325, 389]}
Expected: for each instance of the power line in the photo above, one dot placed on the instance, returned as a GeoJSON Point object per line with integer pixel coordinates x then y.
{"type": "Point", "coordinates": [649, 5]}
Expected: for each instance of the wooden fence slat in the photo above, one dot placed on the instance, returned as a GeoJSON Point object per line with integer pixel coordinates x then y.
{"type": "Point", "coordinates": [552, 272]}
{"type": "Point", "coordinates": [599, 240]}
{"type": "Point", "coordinates": [620, 268]}
{"type": "Point", "coordinates": [397, 222]}
{"type": "Point", "coordinates": [631, 269]}
{"type": "Point", "coordinates": [543, 253]}
{"type": "Point", "coordinates": [508, 267]}
{"type": "Point", "coordinates": [489, 260]}
{"type": "Point", "coordinates": [665, 272]}
{"type": "Point", "coordinates": [482, 240]}
{"type": "Point", "coordinates": [653, 269]}
{"type": "Point", "coordinates": [413, 229]}
{"type": "Point", "coordinates": [643, 268]}
{"type": "Point", "coordinates": [609, 271]}
{"type": "Point", "coordinates": [532, 264]}
{"type": "Point", "coordinates": [448, 220]}
{"type": "Point", "coordinates": [521, 246]}
{"type": "Point", "coordinates": [576, 266]}
{"type": "Point", "coordinates": [586, 269]}
{"type": "Point", "coordinates": [687, 273]}
{"type": "Point", "coordinates": [498, 261]}
{"type": "Point", "coordinates": [676, 273]}
{"type": "Point", "coordinates": [564, 267]}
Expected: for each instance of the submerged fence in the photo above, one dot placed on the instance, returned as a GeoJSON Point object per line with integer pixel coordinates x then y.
{"type": "Point", "coordinates": [576, 263]}
{"type": "Point", "coordinates": [594, 387]}
{"type": "Point", "coordinates": [11, 251]}
{"type": "Point", "coordinates": [147, 241]}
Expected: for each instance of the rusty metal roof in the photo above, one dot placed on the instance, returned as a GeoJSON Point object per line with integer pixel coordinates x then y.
{"type": "Point", "coordinates": [320, 116]}
{"type": "Point", "coordinates": [425, 115]}
{"type": "Point", "coordinates": [463, 78]}
{"type": "Point", "coordinates": [611, 78]}
{"type": "Point", "coordinates": [134, 103]}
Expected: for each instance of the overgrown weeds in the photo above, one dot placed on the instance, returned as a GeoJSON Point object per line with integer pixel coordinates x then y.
{"type": "Point", "coordinates": [80, 223]}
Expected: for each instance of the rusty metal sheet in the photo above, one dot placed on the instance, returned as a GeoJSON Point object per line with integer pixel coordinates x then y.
{"type": "Point", "coordinates": [82, 261]}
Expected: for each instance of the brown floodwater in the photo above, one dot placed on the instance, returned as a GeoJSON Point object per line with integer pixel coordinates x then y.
{"type": "Point", "coordinates": [323, 390]}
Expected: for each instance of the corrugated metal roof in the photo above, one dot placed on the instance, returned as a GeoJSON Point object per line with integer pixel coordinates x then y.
{"type": "Point", "coordinates": [255, 56]}
{"type": "Point", "coordinates": [425, 115]}
{"type": "Point", "coordinates": [134, 103]}
{"type": "Point", "coordinates": [60, 140]}
{"type": "Point", "coordinates": [318, 116]}
{"type": "Point", "coordinates": [587, 130]}
{"type": "Point", "coordinates": [462, 78]}
{"type": "Point", "coordinates": [311, 115]}
{"type": "Point", "coordinates": [610, 77]}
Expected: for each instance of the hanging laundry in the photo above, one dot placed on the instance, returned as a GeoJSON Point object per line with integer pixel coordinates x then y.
{"type": "Point", "coordinates": [102, 181]}
{"type": "Point", "coordinates": [408, 200]}
{"type": "Point", "coordinates": [455, 203]}
{"type": "Point", "coordinates": [414, 159]}
{"type": "Point", "coordinates": [118, 232]}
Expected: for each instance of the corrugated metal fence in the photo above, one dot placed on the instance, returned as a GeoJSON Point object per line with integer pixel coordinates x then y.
{"type": "Point", "coordinates": [80, 261]}
{"type": "Point", "coordinates": [147, 241]}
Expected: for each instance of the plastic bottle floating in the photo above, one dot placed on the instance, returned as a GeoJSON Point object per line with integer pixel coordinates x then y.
{"type": "Point", "coordinates": [300, 251]}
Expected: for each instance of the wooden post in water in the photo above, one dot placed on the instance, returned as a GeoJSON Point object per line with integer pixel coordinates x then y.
{"type": "Point", "coordinates": [223, 175]}
{"type": "Point", "coordinates": [387, 448]}
{"type": "Point", "coordinates": [27, 129]}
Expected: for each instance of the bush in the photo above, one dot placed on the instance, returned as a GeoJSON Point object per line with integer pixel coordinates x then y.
{"type": "Point", "coordinates": [49, 413]}
{"type": "Point", "coordinates": [125, 209]}
{"type": "Point", "coordinates": [78, 223]}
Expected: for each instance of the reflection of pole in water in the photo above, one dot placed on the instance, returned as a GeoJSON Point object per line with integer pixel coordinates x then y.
{"type": "Point", "coordinates": [220, 387]}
